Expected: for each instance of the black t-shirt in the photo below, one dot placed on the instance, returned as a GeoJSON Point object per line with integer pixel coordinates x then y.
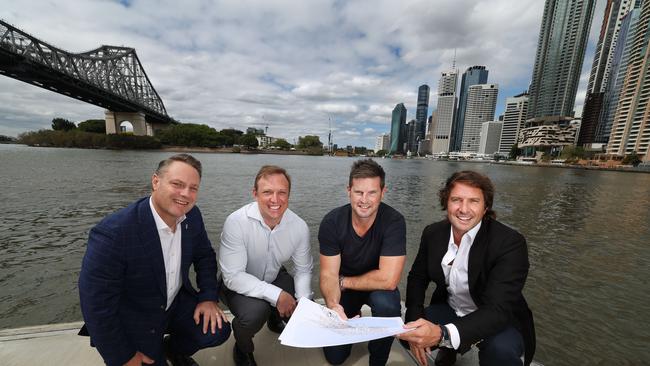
{"type": "Point", "coordinates": [386, 237]}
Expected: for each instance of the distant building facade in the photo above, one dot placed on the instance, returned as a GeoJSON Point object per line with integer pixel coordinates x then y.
{"type": "Point", "coordinates": [514, 119]}
{"type": "Point", "coordinates": [397, 130]}
{"type": "Point", "coordinates": [422, 111]}
{"type": "Point", "coordinates": [481, 104]}
{"type": "Point", "coordinates": [472, 76]}
{"type": "Point", "coordinates": [446, 109]}
{"type": "Point", "coordinates": [382, 142]}
{"type": "Point", "coordinates": [490, 136]}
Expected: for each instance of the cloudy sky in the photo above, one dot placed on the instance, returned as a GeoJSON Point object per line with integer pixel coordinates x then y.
{"type": "Point", "coordinates": [292, 65]}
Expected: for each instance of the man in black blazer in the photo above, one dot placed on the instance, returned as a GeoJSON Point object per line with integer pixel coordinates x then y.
{"type": "Point", "coordinates": [479, 267]}
{"type": "Point", "coordinates": [134, 283]}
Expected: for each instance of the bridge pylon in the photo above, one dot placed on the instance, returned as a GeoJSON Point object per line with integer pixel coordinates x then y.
{"type": "Point", "coordinates": [140, 126]}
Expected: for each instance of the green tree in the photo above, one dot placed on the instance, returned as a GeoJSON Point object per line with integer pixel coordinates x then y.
{"type": "Point", "coordinates": [572, 153]}
{"type": "Point", "coordinates": [309, 141]}
{"type": "Point", "coordinates": [231, 136]}
{"type": "Point", "coordinates": [93, 126]}
{"type": "Point", "coordinates": [631, 159]}
{"type": "Point", "coordinates": [281, 144]}
{"type": "Point", "coordinates": [61, 124]}
{"type": "Point", "coordinates": [248, 140]}
{"type": "Point", "coordinates": [190, 134]}
{"type": "Point", "coordinates": [381, 153]}
{"type": "Point", "coordinates": [514, 152]}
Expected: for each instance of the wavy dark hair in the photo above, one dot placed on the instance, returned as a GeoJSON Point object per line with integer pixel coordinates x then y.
{"type": "Point", "coordinates": [473, 179]}
{"type": "Point", "coordinates": [367, 168]}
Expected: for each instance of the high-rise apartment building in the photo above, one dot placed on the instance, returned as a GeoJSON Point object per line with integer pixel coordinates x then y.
{"type": "Point", "coordinates": [514, 118]}
{"type": "Point", "coordinates": [445, 111]}
{"type": "Point", "coordinates": [397, 135]}
{"type": "Point", "coordinates": [472, 76]}
{"type": "Point", "coordinates": [382, 142]}
{"type": "Point", "coordinates": [481, 103]}
{"type": "Point", "coordinates": [558, 61]}
{"type": "Point", "coordinates": [412, 137]}
{"type": "Point", "coordinates": [631, 125]}
{"type": "Point", "coordinates": [601, 68]}
{"type": "Point", "coordinates": [617, 72]}
{"type": "Point", "coordinates": [490, 135]}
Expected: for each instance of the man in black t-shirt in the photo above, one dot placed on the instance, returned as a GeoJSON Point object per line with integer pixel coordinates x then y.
{"type": "Point", "coordinates": [362, 254]}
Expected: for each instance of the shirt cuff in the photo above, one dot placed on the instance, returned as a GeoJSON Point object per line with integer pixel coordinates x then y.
{"type": "Point", "coordinates": [454, 335]}
{"type": "Point", "coordinates": [271, 294]}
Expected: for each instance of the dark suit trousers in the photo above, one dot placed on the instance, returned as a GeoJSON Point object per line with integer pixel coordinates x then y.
{"type": "Point", "coordinates": [251, 313]}
{"type": "Point", "coordinates": [502, 349]}
{"type": "Point", "coordinates": [186, 337]}
{"type": "Point", "coordinates": [382, 303]}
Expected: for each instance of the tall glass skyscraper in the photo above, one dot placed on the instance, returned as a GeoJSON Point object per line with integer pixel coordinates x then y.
{"type": "Point", "coordinates": [558, 60]}
{"type": "Point", "coordinates": [474, 75]}
{"type": "Point", "coordinates": [397, 130]}
{"type": "Point", "coordinates": [481, 103]}
{"type": "Point", "coordinates": [601, 68]}
{"type": "Point", "coordinates": [422, 112]}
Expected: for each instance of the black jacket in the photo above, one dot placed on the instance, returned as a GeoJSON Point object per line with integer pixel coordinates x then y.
{"type": "Point", "coordinates": [497, 270]}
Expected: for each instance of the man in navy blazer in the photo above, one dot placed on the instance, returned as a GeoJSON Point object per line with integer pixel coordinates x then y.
{"type": "Point", "coordinates": [134, 284]}
{"type": "Point", "coordinates": [479, 267]}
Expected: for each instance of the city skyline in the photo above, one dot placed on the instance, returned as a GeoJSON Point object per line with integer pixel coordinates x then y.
{"type": "Point", "coordinates": [291, 67]}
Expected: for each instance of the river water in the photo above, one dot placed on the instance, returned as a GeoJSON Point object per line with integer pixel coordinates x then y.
{"type": "Point", "coordinates": [588, 233]}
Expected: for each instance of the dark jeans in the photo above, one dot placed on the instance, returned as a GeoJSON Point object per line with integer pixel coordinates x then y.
{"type": "Point", "coordinates": [251, 313]}
{"type": "Point", "coordinates": [186, 337]}
{"type": "Point", "coordinates": [502, 349]}
{"type": "Point", "coordinates": [382, 303]}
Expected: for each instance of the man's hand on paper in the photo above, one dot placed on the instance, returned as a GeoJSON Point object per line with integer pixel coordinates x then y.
{"type": "Point", "coordinates": [422, 336]}
{"type": "Point", "coordinates": [286, 304]}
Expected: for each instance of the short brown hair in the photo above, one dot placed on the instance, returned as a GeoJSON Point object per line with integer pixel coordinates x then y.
{"type": "Point", "coordinates": [473, 179]}
{"type": "Point", "coordinates": [270, 170]}
{"type": "Point", "coordinates": [367, 168]}
{"type": "Point", "coordinates": [183, 158]}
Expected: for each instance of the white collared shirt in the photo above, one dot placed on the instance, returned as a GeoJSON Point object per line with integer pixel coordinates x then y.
{"type": "Point", "coordinates": [455, 267]}
{"type": "Point", "coordinates": [251, 254]}
{"type": "Point", "coordinates": [170, 243]}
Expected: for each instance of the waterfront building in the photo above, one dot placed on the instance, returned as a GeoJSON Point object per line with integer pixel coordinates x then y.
{"type": "Point", "coordinates": [264, 141]}
{"type": "Point", "coordinates": [255, 131]}
{"type": "Point", "coordinates": [631, 125]}
{"type": "Point", "coordinates": [618, 71]}
{"type": "Point", "coordinates": [514, 118]}
{"type": "Point", "coordinates": [422, 110]}
{"type": "Point", "coordinates": [481, 103]}
{"type": "Point", "coordinates": [548, 136]}
{"type": "Point", "coordinates": [558, 60]}
{"type": "Point", "coordinates": [397, 130]}
{"type": "Point", "coordinates": [601, 68]}
{"type": "Point", "coordinates": [490, 136]}
{"type": "Point", "coordinates": [382, 142]}
{"type": "Point", "coordinates": [472, 76]}
{"type": "Point", "coordinates": [412, 137]}
{"type": "Point", "coordinates": [445, 110]}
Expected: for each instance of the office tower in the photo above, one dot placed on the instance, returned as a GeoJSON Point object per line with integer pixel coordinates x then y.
{"type": "Point", "coordinates": [445, 110]}
{"type": "Point", "coordinates": [558, 60]}
{"type": "Point", "coordinates": [474, 75]}
{"type": "Point", "coordinates": [412, 137]}
{"type": "Point", "coordinates": [481, 103]}
{"type": "Point", "coordinates": [601, 68]}
{"type": "Point", "coordinates": [617, 74]}
{"type": "Point", "coordinates": [631, 125]}
{"type": "Point", "coordinates": [397, 135]}
{"type": "Point", "coordinates": [382, 142]}
{"type": "Point", "coordinates": [490, 135]}
{"type": "Point", "coordinates": [422, 110]}
{"type": "Point", "coordinates": [514, 118]}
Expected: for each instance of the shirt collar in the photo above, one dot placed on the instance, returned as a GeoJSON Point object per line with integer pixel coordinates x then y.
{"type": "Point", "coordinates": [471, 233]}
{"type": "Point", "coordinates": [160, 223]}
{"type": "Point", "coordinates": [253, 211]}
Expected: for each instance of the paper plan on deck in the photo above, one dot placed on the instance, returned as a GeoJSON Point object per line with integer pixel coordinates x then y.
{"type": "Point", "coordinates": [313, 325]}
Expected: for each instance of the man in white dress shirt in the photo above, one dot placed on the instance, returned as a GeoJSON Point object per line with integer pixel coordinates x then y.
{"type": "Point", "coordinates": [479, 266]}
{"type": "Point", "coordinates": [255, 242]}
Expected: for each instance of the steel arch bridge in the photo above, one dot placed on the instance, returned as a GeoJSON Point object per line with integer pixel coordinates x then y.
{"type": "Point", "coordinates": [110, 77]}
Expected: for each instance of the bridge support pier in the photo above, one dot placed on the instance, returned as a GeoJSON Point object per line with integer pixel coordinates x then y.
{"type": "Point", "coordinates": [140, 126]}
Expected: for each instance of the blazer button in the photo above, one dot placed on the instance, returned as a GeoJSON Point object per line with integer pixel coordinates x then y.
{"type": "Point", "coordinates": [162, 307]}
{"type": "Point", "coordinates": [153, 331]}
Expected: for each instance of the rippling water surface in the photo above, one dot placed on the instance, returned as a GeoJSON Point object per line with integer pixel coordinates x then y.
{"type": "Point", "coordinates": [588, 233]}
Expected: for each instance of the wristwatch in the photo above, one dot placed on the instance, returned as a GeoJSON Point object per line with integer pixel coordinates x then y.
{"type": "Point", "coordinates": [445, 339]}
{"type": "Point", "coordinates": [341, 283]}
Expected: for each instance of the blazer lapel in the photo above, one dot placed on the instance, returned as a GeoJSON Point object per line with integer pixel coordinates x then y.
{"type": "Point", "coordinates": [477, 255]}
{"type": "Point", "coordinates": [186, 249]}
{"type": "Point", "coordinates": [438, 249]}
{"type": "Point", "coordinates": [151, 242]}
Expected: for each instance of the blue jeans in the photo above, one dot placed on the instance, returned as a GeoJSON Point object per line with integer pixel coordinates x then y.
{"type": "Point", "coordinates": [504, 348]}
{"type": "Point", "coordinates": [382, 303]}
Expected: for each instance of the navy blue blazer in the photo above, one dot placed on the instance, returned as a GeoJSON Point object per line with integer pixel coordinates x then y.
{"type": "Point", "coordinates": [122, 284]}
{"type": "Point", "coordinates": [497, 271]}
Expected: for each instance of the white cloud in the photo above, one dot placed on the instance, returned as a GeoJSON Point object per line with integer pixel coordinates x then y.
{"type": "Point", "coordinates": [294, 66]}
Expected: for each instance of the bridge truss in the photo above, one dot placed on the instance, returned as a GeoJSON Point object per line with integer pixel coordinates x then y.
{"type": "Point", "coordinates": [110, 77]}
